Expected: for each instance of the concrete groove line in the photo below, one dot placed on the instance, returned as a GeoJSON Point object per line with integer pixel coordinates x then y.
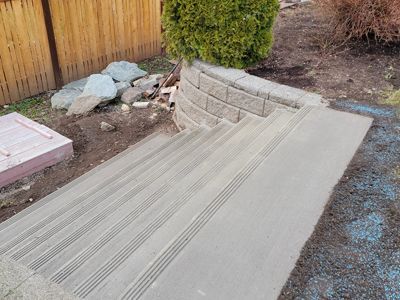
{"type": "Point", "coordinates": [85, 288]}
{"type": "Point", "coordinates": [34, 228]}
{"type": "Point", "coordinates": [50, 253]}
{"type": "Point", "coordinates": [78, 181]}
{"type": "Point", "coordinates": [134, 244]}
{"type": "Point", "coordinates": [87, 207]}
{"type": "Point", "coordinates": [104, 271]}
{"type": "Point", "coordinates": [160, 263]}
{"type": "Point", "coordinates": [65, 271]}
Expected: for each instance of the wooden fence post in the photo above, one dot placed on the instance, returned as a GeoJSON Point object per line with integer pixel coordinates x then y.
{"type": "Point", "coordinates": [52, 44]}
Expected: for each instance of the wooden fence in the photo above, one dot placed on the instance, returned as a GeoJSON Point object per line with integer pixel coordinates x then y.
{"type": "Point", "coordinates": [47, 43]}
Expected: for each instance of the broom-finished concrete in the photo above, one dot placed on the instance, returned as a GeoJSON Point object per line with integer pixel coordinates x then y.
{"type": "Point", "coordinates": [215, 213]}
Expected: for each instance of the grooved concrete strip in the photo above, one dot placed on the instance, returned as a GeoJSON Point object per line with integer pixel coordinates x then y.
{"type": "Point", "coordinates": [247, 246]}
{"type": "Point", "coordinates": [229, 207]}
{"type": "Point", "coordinates": [145, 146]}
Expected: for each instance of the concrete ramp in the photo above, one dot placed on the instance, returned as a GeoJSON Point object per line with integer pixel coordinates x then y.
{"type": "Point", "coordinates": [219, 213]}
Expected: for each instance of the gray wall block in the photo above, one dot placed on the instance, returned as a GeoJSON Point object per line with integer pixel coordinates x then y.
{"type": "Point", "coordinates": [287, 95]}
{"type": "Point", "coordinates": [191, 74]}
{"type": "Point", "coordinates": [213, 87]}
{"type": "Point", "coordinates": [246, 101]}
{"type": "Point", "coordinates": [222, 110]}
{"type": "Point", "coordinates": [194, 112]}
{"type": "Point", "coordinates": [194, 94]}
{"type": "Point", "coordinates": [226, 75]}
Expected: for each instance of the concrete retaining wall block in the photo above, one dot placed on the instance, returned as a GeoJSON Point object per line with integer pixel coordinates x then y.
{"type": "Point", "coordinates": [194, 94]}
{"type": "Point", "coordinates": [213, 87]}
{"type": "Point", "coordinates": [222, 110]}
{"type": "Point", "coordinates": [226, 75]}
{"type": "Point", "coordinates": [287, 96]}
{"type": "Point", "coordinates": [197, 114]}
{"type": "Point", "coordinates": [248, 102]}
{"type": "Point", "coordinates": [191, 74]}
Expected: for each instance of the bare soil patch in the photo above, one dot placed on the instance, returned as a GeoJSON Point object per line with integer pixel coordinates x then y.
{"type": "Point", "coordinates": [304, 56]}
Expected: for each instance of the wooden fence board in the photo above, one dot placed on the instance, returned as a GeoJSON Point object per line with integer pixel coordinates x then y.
{"type": "Point", "coordinates": [89, 34]}
{"type": "Point", "coordinates": [25, 65]}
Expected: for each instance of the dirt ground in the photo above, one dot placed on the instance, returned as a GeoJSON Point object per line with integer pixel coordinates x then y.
{"type": "Point", "coordinates": [92, 146]}
{"type": "Point", "coordinates": [304, 56]}
{"type": "Point", "coordinates": [354, 252]}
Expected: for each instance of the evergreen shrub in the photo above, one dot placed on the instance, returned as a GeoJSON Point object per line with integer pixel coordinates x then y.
{"type": "Point", "coordinates": [232, 33]}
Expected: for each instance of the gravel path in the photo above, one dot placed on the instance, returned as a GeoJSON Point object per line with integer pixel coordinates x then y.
{"type": "Point", "coordinates": [354, 252]}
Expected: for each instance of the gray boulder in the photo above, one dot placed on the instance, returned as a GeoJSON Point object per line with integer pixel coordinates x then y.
{"type": "Point", "coordinates": [83, 104]}
{"type": "Point", "coordinates": [100, 86]}
{"type": "Point", "coordinates": [122, 87]}
{"type": "Point", "coordinates": [132, 95]}
{"type": "Point", "coordinates": [124, 71]}
{"type": "Point", "coordinates": [77, 85]}
{"type": "Point", "coordinates": [64, 98]}
{"type": "Point", "coordinates": [149, 82]}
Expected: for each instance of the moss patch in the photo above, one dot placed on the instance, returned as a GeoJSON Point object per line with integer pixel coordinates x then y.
{"type": "Point", "coordinates": [33, 108]}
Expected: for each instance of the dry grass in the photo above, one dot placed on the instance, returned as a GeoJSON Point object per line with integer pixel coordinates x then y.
{"type": "Point", "coordinates": [371, 19]}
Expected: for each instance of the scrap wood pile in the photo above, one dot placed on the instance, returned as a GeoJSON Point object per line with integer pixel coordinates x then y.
{"type": "Point", "coordinates": [163, 95]}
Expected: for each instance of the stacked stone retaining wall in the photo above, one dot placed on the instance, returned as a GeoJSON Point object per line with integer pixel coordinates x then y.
{"type": "Point", "coordinates": [209, 94]}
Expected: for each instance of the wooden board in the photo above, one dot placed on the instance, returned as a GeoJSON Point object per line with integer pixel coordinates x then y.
{"type": "Point", "coordinates": [27, 147]}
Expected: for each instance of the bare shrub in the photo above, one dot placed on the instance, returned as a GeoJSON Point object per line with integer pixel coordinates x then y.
{"type": "Point", "coordinates": [371, 19]}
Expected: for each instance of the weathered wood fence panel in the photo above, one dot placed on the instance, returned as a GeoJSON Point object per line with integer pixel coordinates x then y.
{"type": "Point", "coordinates": [89, 34]}
{"type": "Point", "coordinates": [25, 62]}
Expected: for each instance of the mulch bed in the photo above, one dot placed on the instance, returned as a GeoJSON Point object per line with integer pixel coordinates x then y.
{"type": "Point", "coordinates": [354, 252]}
{"type": "Point", "coordinates": [92, 146]}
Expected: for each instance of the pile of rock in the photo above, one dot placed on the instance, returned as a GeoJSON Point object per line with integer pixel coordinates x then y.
{"type": "Point", "coordinates": [120, 79]}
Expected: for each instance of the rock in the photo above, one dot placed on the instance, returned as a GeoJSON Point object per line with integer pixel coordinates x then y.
{"type": "Point", "coordinates": [149, 82]}
{"type": "Point", "coordinates": [141, 104]}
{"type": "Point", "coordinates": [104, 126]}
{"type": "Point", "coordinates": [124, 71]}
{"type": "Point", "coordinates": [125, 108]}
{"type": "Point", "coordinates": [122, 87]}
{"type": "Point", "coordinates": [64, 98]}
{"type": "Point", "coordinates": [26, 188]}
{"type": "Point", "coordinates": [132, 95]}
{"type": "Point", "coordinates": [78, 85]}
{"type": "Point", "coordinates": [83, 104]}
{"type": "Point", "coordinates": [100, 86]}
